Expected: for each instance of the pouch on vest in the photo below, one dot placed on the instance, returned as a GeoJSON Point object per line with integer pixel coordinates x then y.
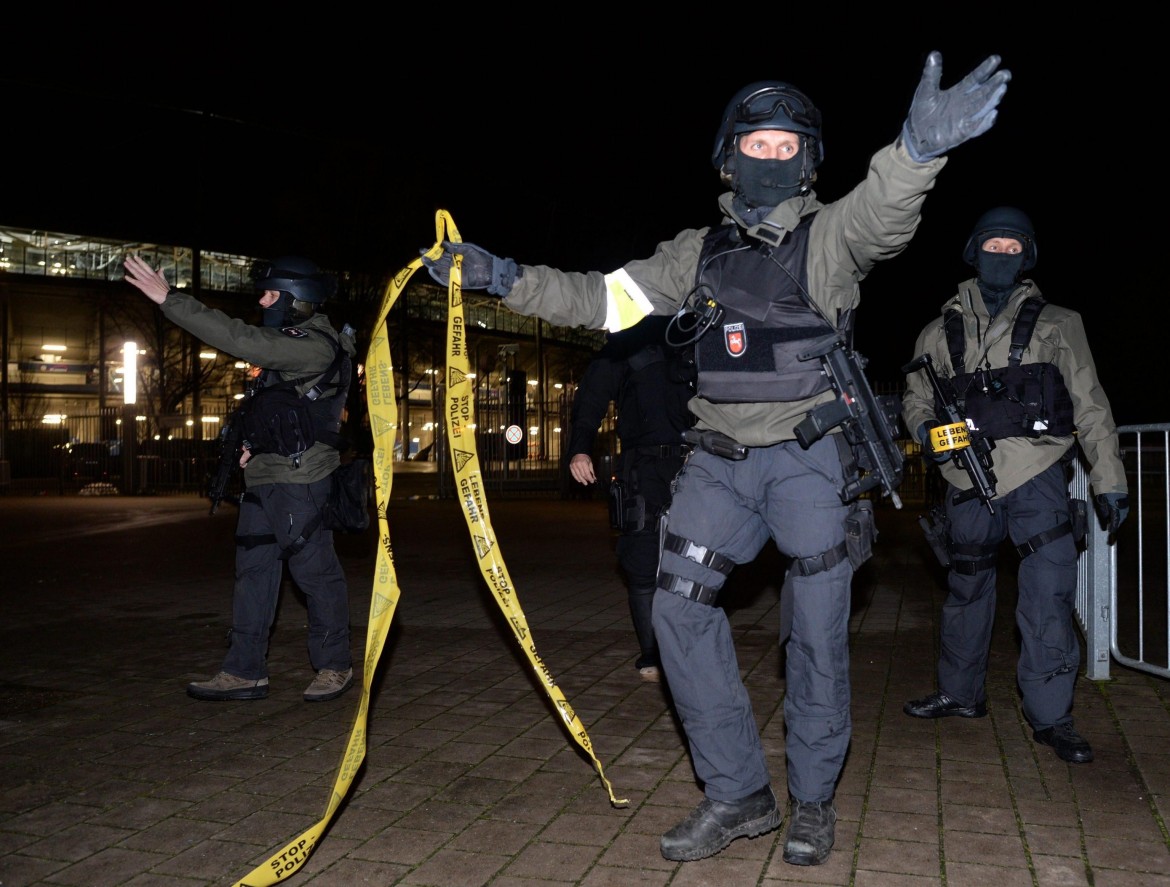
{"type": "Point", "coordinates": [277, 420]}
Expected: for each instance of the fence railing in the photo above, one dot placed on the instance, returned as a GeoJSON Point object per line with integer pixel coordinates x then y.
{"type": "Point", "coordinates": [1123, 591]}
{"type": "Point", "coordinates": [86, 456]}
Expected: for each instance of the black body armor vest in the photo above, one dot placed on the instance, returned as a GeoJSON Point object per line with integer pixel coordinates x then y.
{"type": "Point", "coordinates": [751, 357]}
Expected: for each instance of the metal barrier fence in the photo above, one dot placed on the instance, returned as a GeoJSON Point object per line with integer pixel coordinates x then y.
{"type": "Point", "coordinates": [86, 457]}
{"type": "Point", "coordinates": [1123, 589]}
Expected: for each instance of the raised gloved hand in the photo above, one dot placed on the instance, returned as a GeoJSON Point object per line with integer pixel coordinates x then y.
{"type": "Point", "coordinates": [1113, 508]}
{"type": "Point", "coordinates": [941, 120]}
{"type": "Point", "coordinates": [481, 270]}
{"type": "Point", "coordinates": [928, 452]}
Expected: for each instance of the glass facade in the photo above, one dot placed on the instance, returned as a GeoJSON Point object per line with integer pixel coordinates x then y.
{"type": "Point", "coordinates": [68, 316]}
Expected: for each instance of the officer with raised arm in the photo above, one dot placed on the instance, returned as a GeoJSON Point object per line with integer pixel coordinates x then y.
{"type": "Point", "coordinates": [280, 513]}
{"type": "Point", "coordinates": [777, 273]}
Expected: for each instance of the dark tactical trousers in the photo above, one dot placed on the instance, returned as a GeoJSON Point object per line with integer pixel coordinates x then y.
{"type": "Point", "coordinates": [637, 550]}
{"type": "Point", "coordinates": [1050, 651]}
{"type": "Point", "coordinates": [790, 495]}
{"type": "Point", "coordinates": [283, 511]}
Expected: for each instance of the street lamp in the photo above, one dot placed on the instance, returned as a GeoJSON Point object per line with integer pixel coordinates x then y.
{"type": "Point", "coordinates": [130, 373]}
{"type": "Point", "coordinates": [129, 425]}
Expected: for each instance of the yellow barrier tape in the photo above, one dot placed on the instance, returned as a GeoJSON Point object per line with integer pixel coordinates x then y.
{"type": "Point", "coordinates": [460, 422]}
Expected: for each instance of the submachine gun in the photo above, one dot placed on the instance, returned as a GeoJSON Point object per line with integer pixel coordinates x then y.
{"type": "Point", "coordinates": [231, 441]}
{"type": "Point", "coordinates": [972, 452]}
{"type": "Point", "coordinates": [867, 422]}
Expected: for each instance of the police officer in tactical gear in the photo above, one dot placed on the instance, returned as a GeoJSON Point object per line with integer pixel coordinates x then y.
{"type": "Point", "coordinates": [650, 382]}
{"type": "Point", "coordinates": [779, 273]}
{"type": "Point", "coordinates": [1022, 369]}
{"type": "Point", "coordinates": [279, 518]}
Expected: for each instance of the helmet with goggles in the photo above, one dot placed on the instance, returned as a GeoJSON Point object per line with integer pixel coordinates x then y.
{"type": "Point", "coordinates": [767, 104]}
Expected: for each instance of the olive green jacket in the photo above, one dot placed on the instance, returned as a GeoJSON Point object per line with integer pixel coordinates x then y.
{"type": "Point", "coordinates": [1059, 339]}
{"type": "Point", "coordinates": [290, 353]}
{"type": "Point", "coordinates": [873, 222]}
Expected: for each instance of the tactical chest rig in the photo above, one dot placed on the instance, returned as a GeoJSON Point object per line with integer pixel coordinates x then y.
{"type": "Point", "coordinates": [774, 345]}
{"type": "Point", "coordinates": [1019, 400]}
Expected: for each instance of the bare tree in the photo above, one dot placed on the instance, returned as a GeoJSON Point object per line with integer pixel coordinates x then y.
{"type": "Point", "coordinates": [172, 376]}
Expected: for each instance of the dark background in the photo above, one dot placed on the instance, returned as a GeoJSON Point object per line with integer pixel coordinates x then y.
{"type": "Point", "coordinates": [581, 141]}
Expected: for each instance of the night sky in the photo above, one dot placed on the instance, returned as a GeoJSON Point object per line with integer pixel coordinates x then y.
{"type": "Point", "coordinates": [581, 142]}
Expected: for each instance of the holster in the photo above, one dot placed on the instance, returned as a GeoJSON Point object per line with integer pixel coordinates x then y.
{"type": "Point", "coordinates": [860, 532]}
{"type": "Point", "coordinates": [627, 514]}
{"type": "Point", "coordinates": [937, 530]}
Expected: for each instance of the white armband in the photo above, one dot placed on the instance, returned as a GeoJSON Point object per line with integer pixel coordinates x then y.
{"type": "Point", "coordinates": [625, 303]}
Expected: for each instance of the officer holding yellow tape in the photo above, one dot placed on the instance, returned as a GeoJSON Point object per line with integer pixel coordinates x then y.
{"type": "Point", "coordinates": [755, 291]}
{"type": "Point", "coordinates": [1023, 371]}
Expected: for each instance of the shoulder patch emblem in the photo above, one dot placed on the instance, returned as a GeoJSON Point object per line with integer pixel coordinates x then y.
{"type": "Point", "coordinates": [294, 331]}
{"type": "Point", "coordinates": [735, 339]}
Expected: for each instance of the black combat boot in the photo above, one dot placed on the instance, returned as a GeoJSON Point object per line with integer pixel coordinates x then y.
{"type": "Point", "coordinates": [1069, 744]}
{"type": "Point", "coordinates": [811, 832]}
{"type": "Point", "coordinates": [714, 824]}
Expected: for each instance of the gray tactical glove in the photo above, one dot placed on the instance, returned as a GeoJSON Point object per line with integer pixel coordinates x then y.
{"type": "Point", "coordinates": [481, 270]}
{"type": "Point", "coordinates": [1113, 508]}
{"type": "Point", "coordinates": [941, 120]}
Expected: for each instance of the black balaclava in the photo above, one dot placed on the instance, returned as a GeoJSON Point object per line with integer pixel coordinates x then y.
{"type": "Point", "coordinates": [765, 184]}
{"type": "Point", "coordinates": [998, 274]}
{"type": "Point", "coordinates": [279, 313]}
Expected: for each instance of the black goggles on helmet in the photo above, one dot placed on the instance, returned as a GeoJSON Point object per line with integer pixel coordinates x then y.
{"type": "Point", "coordinates": [772, 104]}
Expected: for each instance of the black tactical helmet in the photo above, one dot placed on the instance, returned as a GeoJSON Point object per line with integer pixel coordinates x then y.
{"type": "Point", "coordinates": [768, 104]}
{"type": "Point", "coordinates": [299, 277]}
{"type": "Point", "coordinates": [1002, 221]}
